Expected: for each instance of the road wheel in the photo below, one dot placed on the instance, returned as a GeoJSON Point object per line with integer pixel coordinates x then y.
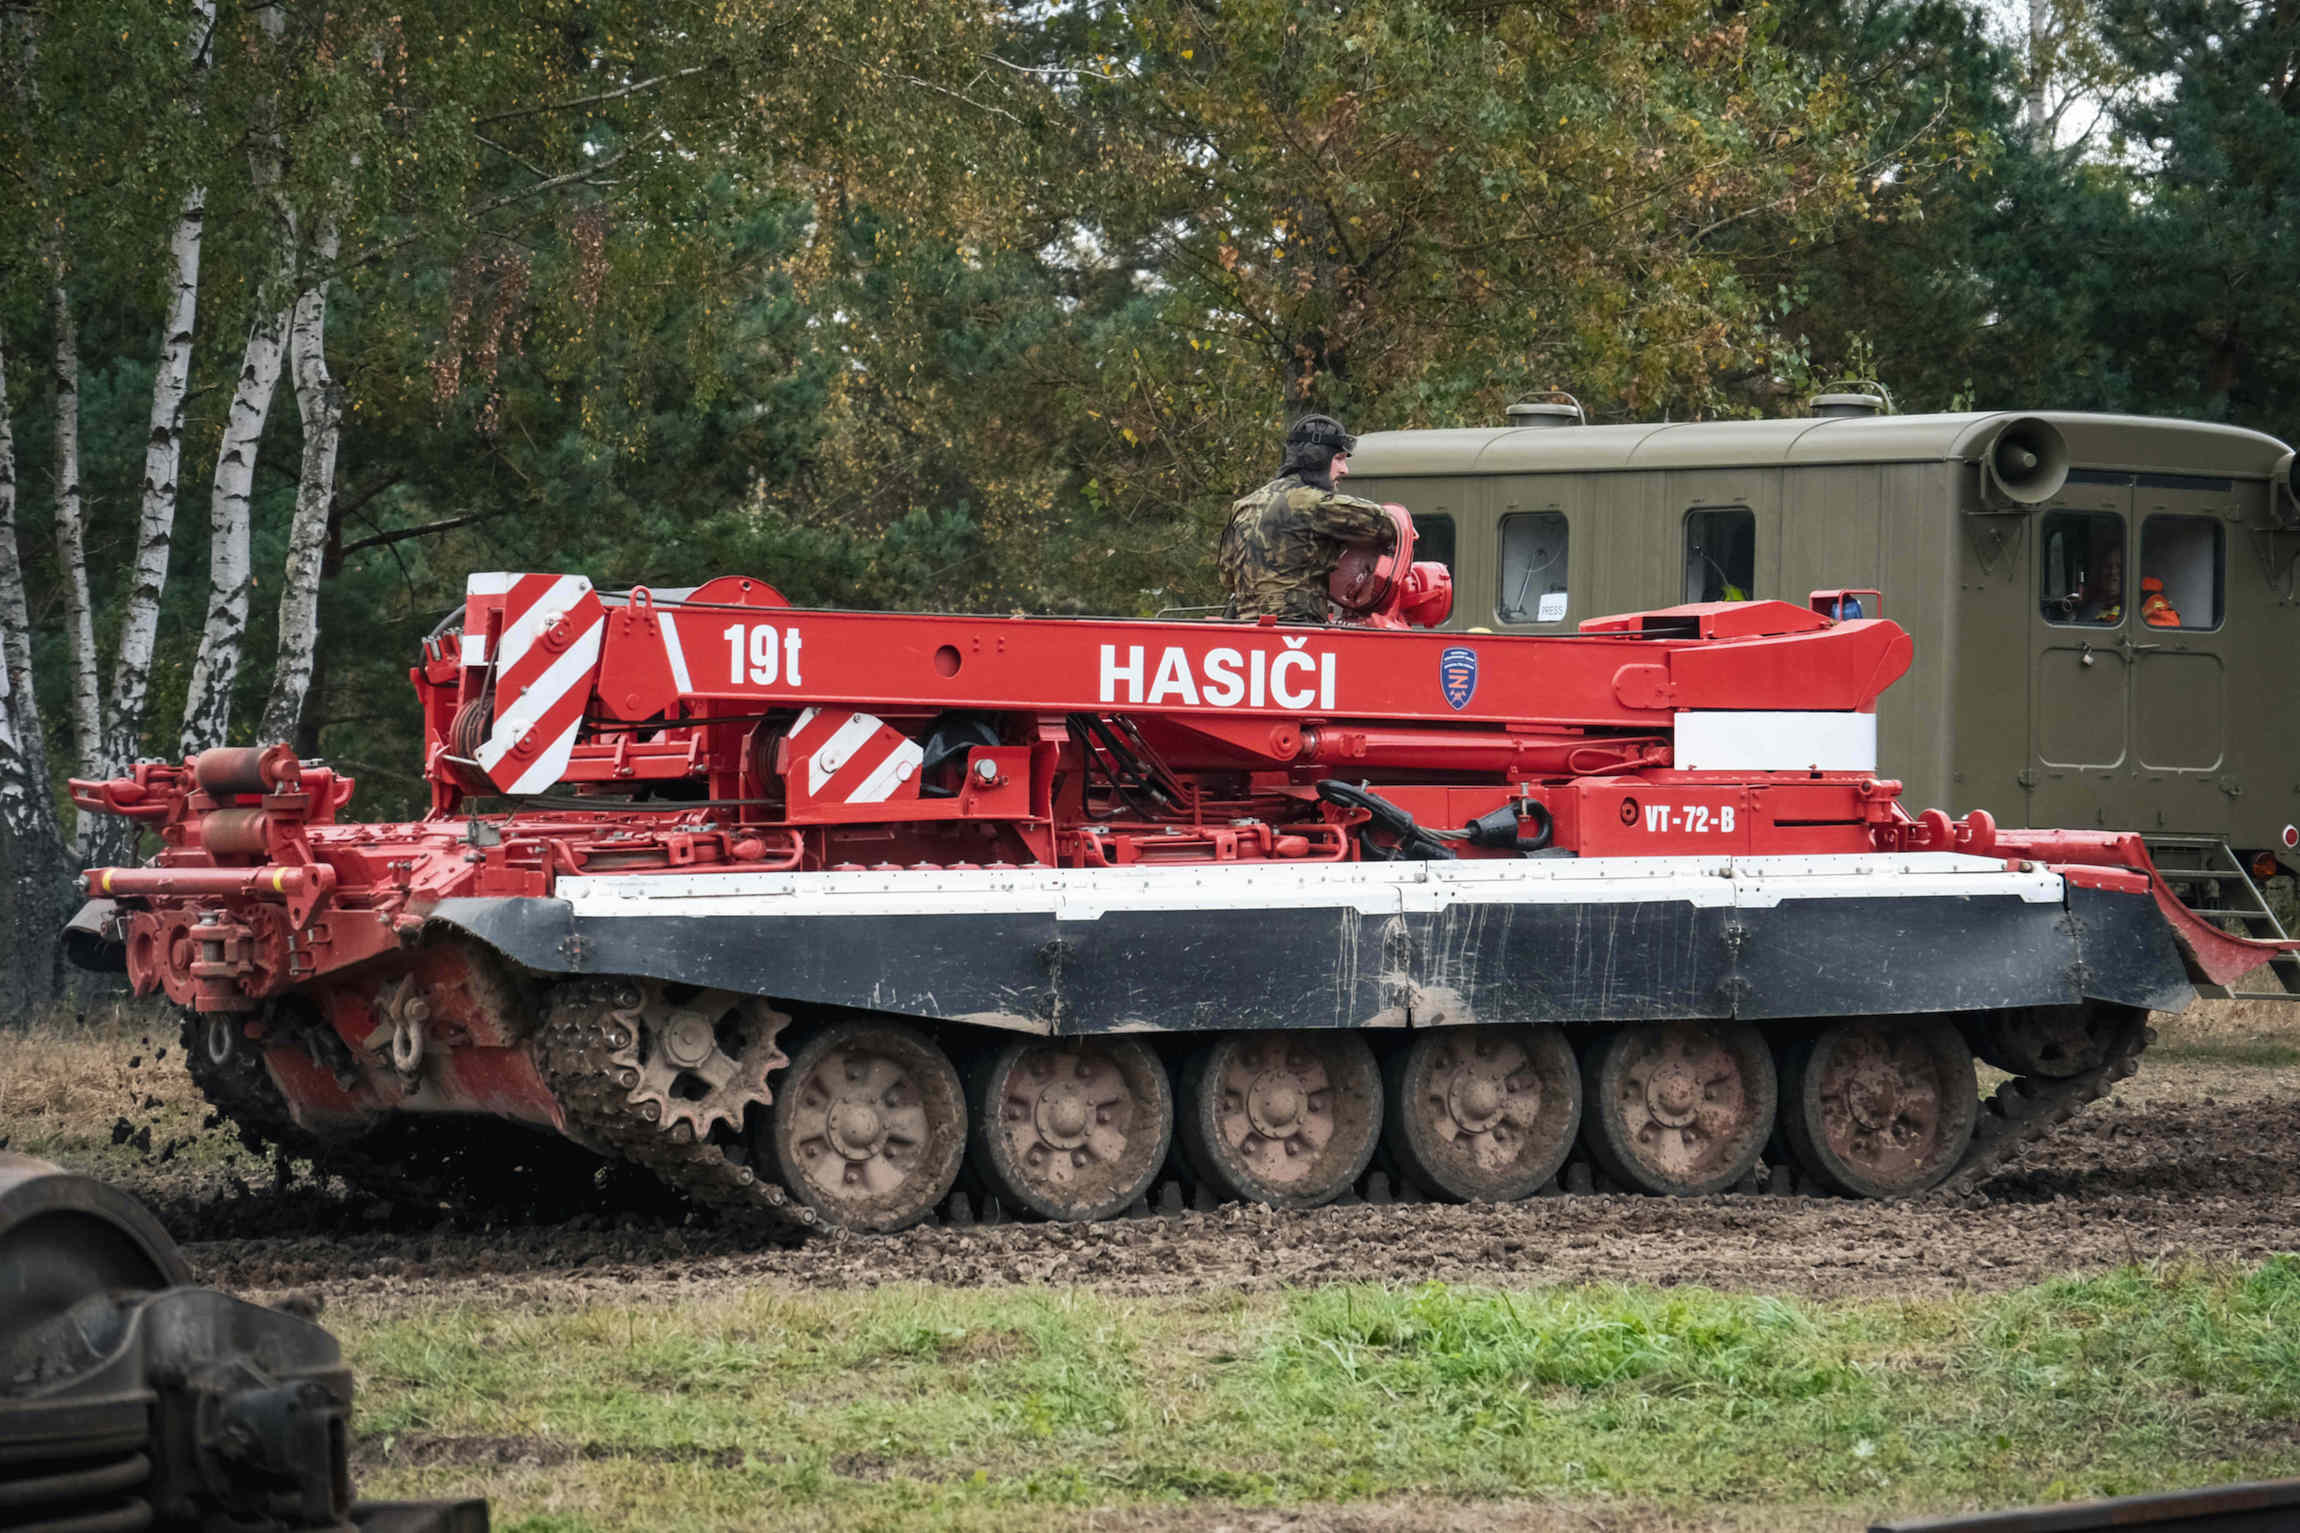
{"type": "Point", "coordinates": [869, 1125]}
{"type": "Point", "coordinates": [1483, 1114]}
{"type": "Point", "coordinates": [1283, 1118]}
{"type": "Point", "coordinates": [1678, 1108]}
{"type": "Point", "coordinates": [1071, 1130]}
{"type": "Point", "coordinates": [1878, 1107]}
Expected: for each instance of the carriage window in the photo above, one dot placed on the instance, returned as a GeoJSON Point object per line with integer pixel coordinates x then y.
{"type": "Point", "coordinates": [2183, 572]}
{"type": "Point", "coordinates": [1532, 568]}
{"type": "Point", "coordinates": [2080, 571]}
{"type": "Point", "coordinates": [1433, 538]}
{"type": "Point", "coordinates": [1720, 554]}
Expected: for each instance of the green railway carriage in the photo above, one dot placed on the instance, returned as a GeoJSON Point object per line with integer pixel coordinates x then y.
{"type": "Point", "coordinates": [2013, 546]}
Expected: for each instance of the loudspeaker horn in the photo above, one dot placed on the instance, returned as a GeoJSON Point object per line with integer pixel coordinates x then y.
{"type": "Point", "coordinates": [2026, 462]}
{"type": "Point", "coordinates": [2284, 490]}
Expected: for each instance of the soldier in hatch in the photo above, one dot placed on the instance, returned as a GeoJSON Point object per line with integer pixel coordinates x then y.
{"type": "Point", "coordinates": [1283, 541]}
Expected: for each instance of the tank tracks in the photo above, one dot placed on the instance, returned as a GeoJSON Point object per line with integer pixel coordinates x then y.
{"type": "Point", "coordinates": [242, 1092]}
{"type": "Point", "coordinates": [588, 1053]}
{"type": "Point", "coordinates": [2022, 1113]}
{"type": "Point", "coordinates": [586, 1050]}
{"type": "Point", "coordinates": [2026, 1109]}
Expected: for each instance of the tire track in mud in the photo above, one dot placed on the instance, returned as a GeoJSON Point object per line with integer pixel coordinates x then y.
{"type": "Point", "coordinates": [2145, 1177]}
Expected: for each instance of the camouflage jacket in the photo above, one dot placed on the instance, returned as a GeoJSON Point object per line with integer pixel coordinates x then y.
{"type": "Point", "coordinates": [1283, 542]}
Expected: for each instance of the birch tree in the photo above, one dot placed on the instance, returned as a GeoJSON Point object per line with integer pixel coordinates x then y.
{"type": "Point", "coordinates": [24, 803]}
{"type": "Point", "coordinates": [231, 569]}
{"type": "Point", "coordinates": [34, 886]}
{"type": "Point", "coordinates": [71, 538]}
{"type": "Point", "coordinates": [163, 458]}
{"type": "Point", "coordinates": [2072, 81]}
{"type": "Point", "coordinates": [319, 404]}
{"type": "Point", "coordinates": [34, 883]}
{"type": "Point", "coordinates": [26, 815]}
{"type": "Point", "coordinates": [208, 701]}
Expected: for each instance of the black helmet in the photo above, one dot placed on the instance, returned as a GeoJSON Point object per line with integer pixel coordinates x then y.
{"type": "Point", "coordinates": [1312, 443]}
{"type": "Point", "coordinates": [1321, 432]}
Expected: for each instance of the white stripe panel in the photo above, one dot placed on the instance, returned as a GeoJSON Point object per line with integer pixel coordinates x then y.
{"type": "Point", "coordinates": [549, 764]}
{"type": "Point", "coordinates": [1728, 741]}
{"type": "Point", "coordinates": [492, 583]}
{"type": "Point", "coordinates": [677, 654]}
{"type": "Point", "coordinates": [891, 774]}
{"type": "Point", "coordinates": [1085, 894]}
{"type": "Point", "coordinates": [571, 669]}
{"type": "Point", "coordinates": [518, 636]}
{"type": "Point", "coordinates": [475, 649]}
{"type": "Point", "coordinates": [835, 752]}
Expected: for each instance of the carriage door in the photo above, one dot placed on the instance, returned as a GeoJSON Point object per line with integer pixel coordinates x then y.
{"type": "Point", "coordinates": [2177, 637]}
{"type": "Point", "coordinates": [2080, 674]}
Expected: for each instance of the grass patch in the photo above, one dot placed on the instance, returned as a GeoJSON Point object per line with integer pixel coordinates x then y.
{"type": "Point", "coordinates": [107, 1094]}
{"type": "Point", "coordinates": [1012, 1407]}
{"type": "Point", "coordinates": [2260, 1053]}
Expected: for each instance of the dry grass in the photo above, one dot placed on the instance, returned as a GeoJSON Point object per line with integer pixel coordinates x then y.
{"type": "Point", "coordinates": [68, 1084]}
{"type": "Point", "coordinates": [2237, 1032]}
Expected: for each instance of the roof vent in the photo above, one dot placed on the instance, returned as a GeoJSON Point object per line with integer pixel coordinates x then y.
{"type": "Point", "coordinates": [1557, 408]}
{"type": "Point", "coordinates": [1853, 398]}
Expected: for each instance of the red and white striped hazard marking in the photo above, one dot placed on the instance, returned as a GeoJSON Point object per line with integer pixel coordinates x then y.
{"type": "Point", "coordinates": [852, 758]}
{"type": "Point", "coordinates": [544, 665]}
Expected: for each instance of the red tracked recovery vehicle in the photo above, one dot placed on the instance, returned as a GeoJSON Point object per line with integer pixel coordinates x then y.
{"type": "Point", "coordinates": [809, 912]}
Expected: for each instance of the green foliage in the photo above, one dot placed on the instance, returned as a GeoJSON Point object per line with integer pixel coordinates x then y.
{"type": "Point", "coordinates": [2205, 301]}
{"type": "Point", "coordinates": [998, 308]}
{"type": "Point", "coordinates": [2145, 270]}
{"type": "Point", "coordinates": [1459, 205]}
{"type": "Point", "coordinates": [1897, 292]}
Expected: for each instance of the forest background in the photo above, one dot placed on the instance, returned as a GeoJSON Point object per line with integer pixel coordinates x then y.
{"type": "Point", "coordinates": [310, 307]}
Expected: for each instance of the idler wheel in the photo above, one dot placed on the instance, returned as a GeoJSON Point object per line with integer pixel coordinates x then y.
{"type": "Point", "coordinates": [1071, 1130]}
{"type": "Point", "coordinates": [1288, 1118]}
{"type": "Point", "coordinates": [1678, 1108]}
{"type": "Point", "coordinates": [870, 1126]}
{"type": "Point", "coordinates": [1878, 1107]}
{"type": "Point", "coordinates": [2055, 1042]}
{"type": "Point", "coordinates": [1483, 1114]}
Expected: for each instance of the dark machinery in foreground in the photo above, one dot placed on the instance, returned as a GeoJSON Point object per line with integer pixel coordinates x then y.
{"type": "Point", "coordinates": [2255, 1507]}
{"type": "Point", "coordinates": [130, 1398]}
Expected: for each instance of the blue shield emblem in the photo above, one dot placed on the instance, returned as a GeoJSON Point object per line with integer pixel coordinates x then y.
{"type": "Point", "coordinates": [1457, 675]}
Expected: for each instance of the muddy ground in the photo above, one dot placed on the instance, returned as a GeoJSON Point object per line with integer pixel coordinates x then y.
{"type": "Point", "coordinates": [2192, 1160]}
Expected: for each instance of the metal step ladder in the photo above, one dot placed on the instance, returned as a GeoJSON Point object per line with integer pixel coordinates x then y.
{"type": "Point", "coordinates": [2212, 880]}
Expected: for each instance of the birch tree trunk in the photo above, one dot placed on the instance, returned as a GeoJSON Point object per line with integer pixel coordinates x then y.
{"type": "Point", "coordinates": [163, 460]}
{"type": "Point", "coordinates": [24, 803]}
{"type": "Point", "coordinates": [34, 883]}
{"type": "Point", "coordinates": [208, 705]}
{"type": "Point", "coordinates": [12, 774]}
{"type": "Point", "coordinates": [27, 814]}
{"type": "Point", "coordinates": [156, 522]}
{"type": "Point", "coordinates": [319, 402]}
{"type": "Point", "coordinates": [208, 701]}
{"type": "Point", "coordinates": [71, 542]}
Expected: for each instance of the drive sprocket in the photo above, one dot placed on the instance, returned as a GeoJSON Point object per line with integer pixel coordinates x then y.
{"type": "Point", "coordinates": [700, 1059]}
{"type": "Point", "coordinates": [592, 1053]}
